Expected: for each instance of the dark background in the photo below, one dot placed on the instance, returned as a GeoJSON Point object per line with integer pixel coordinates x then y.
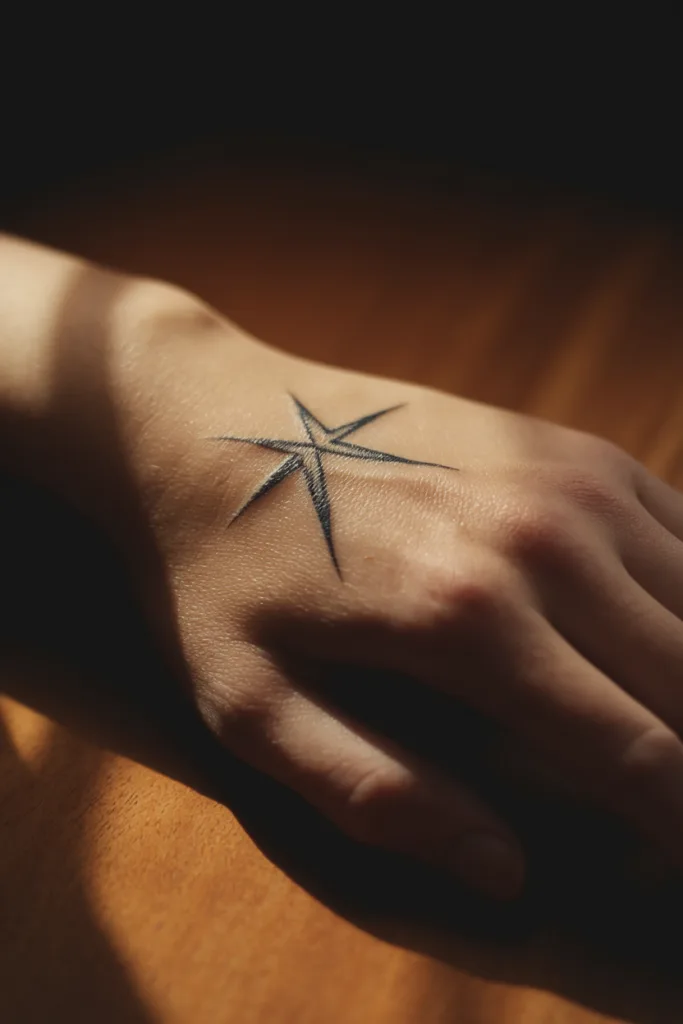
{"type": "Point", "coordinates": [567, 101]}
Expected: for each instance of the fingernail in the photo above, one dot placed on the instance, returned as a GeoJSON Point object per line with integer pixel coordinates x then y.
{"type": "Point", "coordinates": [489, 863]}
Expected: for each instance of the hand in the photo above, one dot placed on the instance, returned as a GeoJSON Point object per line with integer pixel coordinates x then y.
{"type": "Point", "coordinates": [529, 571]}
{"type": "Point", "coordinates": [533, 572]}
{"type": "Point", "coordinates": [537, 579]}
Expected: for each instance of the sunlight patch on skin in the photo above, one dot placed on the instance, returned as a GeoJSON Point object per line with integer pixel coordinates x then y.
{"type": "Point", "coordinates": [29, 732]}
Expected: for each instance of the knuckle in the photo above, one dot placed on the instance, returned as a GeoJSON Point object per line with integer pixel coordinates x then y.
{"type": "Point", "coordinates": [473, 601]}
{"type": "Point", "coordinates": [589, 489]}
{"type": "Point", "coordinates": [644, 762]}
{"type": "Point", "coordinates": [244, 725]}
{"type": "Point", "coordinates": [471, 594]}
{"type": "Point", "coordinates": [247, 716]}
{"type": "Point", "coordinates": [595, 475]}
{"type": "Point", "coordinates": [462, 592]}
{"type": "Point", "coordinates": [374, 808]}
{"type": "Point", "coordinates": [540, 530]}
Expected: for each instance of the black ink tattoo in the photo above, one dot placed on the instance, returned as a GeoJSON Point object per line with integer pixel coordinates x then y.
{"type": "Point", "coordinates": [307, 456]}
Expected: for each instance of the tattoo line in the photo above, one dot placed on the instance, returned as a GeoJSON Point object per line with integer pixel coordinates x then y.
{"type": "Point", "coordinates": [307, 456]}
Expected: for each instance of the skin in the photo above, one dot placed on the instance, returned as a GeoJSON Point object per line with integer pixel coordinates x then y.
{"type": "Point", "coordinates": [538, 581]}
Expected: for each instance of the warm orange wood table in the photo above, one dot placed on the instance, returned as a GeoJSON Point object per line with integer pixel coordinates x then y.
{"type": "Point", "coordinates": [126, 895]}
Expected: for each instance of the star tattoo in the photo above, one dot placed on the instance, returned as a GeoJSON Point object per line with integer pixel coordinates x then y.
{"type": "Point", "coordinates": [307, 456]}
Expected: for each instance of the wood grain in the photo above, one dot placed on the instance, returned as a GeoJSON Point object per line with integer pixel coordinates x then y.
{"type": "Point", "coordinates": [128, 895]}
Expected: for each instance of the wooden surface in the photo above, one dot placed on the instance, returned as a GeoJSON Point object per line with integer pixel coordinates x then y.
{"type": "Point", "coordinates": [129, 896]}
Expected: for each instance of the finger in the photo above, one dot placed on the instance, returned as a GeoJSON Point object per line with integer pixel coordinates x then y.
{"type": "Point", "coordinates": [653, 557]}
{"type": "Point", "coordinates": [610, 746]}
{"type": "Point", "coordinates": [374, 794]}
{"type": "Point", "coordinates": [478, 635]}
{"type": "Point", "coordinates": [624, 616]}
{"type": "Point", "coordinates": [661, 500]}
{"type": "Point", "coordinates": [627, 634]}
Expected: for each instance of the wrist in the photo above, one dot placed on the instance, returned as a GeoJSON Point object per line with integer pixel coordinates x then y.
{"type": "Point", "coordinates": [103, 376]}
{"type": "Point", "coordinates": [57, 325]}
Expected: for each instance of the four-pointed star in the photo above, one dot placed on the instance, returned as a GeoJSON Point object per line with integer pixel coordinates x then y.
{"type": "Point", "coordinates": [307, 456]}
